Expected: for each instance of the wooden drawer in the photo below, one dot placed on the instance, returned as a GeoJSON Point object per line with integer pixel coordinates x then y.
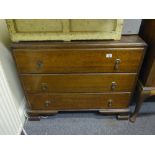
{"type": "Point", "coordinates": [93, 82]}
{"type": "Point", "coordinates": [74, 101]}
{"type": "Point", "coordinates": [78, 60]}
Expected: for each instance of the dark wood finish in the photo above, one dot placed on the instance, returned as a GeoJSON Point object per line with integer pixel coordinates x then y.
{"type": "Point", "coordinates": [34, 118]}
{"type": "Point", "coordinates": [147, 32]}
{"type": "Point", "coordinates": [125, 42]}
{"type": "Point", "coordinates": [78, 60]}
{"type": "Point", "coordinates": [77, 101]}
{"type": "Point", "coordinates": [59, 83]}
{"type": "Point", "coordinates": [101, 111]}
{"type": "Point", "coordinates": [142, 94]}
{"type": "Point", "coordinates": [71, 76]}
{"type": "Point", "coordinates": [147, 74]}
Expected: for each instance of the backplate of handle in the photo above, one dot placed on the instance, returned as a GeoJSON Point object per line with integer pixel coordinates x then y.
{"type": "Point", "coordinates": [47, 103]}
{"type": "Point", "coordinates": [113, 85]}
{"type": "Point", "coordinates": [39, 64]}
{"type": "Point", "coordinates": [110, 103]}
{"type": "Point", "coordinates": [117, 63]}
{"type": "Point", "coordinates": [44, 86]}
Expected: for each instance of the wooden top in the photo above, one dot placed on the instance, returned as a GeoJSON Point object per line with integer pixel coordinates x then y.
{"type": "Point", "coordinates": [126, 41]}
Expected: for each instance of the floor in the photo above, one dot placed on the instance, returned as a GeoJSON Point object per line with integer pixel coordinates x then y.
{"type": "Point", "coordinates": [91, 123]}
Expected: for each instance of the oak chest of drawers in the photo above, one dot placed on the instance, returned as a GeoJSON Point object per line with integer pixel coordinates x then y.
{"type": "Point", "coordinates": [79, 75]}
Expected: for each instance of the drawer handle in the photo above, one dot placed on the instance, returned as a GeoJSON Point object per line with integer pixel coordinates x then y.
{"type": "Point", "coordinates": [117, 63]}
{"type": "Point", "coordinates": [39, 64]}
{"type": "Point", "coordinates": [109, 103]}
{"type": "Point", "coordinates": [47, 102]}
{"type": "Point", "coordinates": [113, 85]}
{"type": "Point", "coordinates": [44, 86]}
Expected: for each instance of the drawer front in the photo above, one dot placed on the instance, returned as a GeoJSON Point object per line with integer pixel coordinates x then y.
{"type": "Point", "coordinates": [55, 83]}
{"type": "Point", "coordinates": [78, 61]}
{"type": "Point", "coordinates": [71, 101]}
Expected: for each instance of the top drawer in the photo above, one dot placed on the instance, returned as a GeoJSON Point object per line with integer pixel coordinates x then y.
{"type": "Point", "coordinates": [78, 60]}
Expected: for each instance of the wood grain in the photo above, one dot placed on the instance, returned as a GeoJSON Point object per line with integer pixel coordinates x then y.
{"type": "Point", "coordinates": [77, 82]}
{"type": "Point", "coordinates": [76, 75]}
{"type": "Point", "coordinates": [77, 60]}
{"type": "Point", "coordinates": [125, 42]}
{"type": "Point", "coordinates": [78, 101]}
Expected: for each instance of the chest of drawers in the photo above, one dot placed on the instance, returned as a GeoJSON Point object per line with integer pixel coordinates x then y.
{"type": "Point", "coordinates": [79, 75]}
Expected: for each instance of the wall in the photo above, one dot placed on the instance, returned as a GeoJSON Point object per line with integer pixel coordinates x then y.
{"type": "Point", "coordinates": [131, 26]}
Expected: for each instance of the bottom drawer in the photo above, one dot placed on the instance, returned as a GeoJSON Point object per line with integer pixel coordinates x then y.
{"type": "Point", "coordinates": [77, 101]}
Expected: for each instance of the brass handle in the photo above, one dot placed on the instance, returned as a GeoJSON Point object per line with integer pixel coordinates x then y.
{"type": "Point", "coordinates": [117, 63]}
{"type": "Point", "coordinates": [113, 85]}
{"type": "Point", "coordinates": [39, 64]}
{"type": "Point", "coordinates": [110, 103]}
{"type": "Point", "coordinates": [44, 86]}
{"type": "Point", "coordinates": [47, 102]}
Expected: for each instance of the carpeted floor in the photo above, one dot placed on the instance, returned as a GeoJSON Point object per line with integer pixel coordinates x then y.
{"type": "Point", "coordinates": [91, 123]}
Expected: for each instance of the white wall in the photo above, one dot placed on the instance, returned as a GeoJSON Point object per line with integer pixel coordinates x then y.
{"type": "Point", "coordinates": [8, 66]}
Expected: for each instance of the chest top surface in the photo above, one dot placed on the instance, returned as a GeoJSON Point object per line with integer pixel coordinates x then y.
{"type": "Point", "coordinates": [126, 41]}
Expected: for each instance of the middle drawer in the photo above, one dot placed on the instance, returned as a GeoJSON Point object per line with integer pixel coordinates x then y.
{"type": "Point", "coordinates": [93, 82]}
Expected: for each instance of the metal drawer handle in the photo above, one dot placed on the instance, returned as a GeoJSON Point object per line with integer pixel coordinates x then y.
{"type": "Point", "coordinates": [39, 64]}
{"type": "Point", "coordinates": [47, 103]}
{"type": "Point", "coordinates": [117, 63]}
{"type": "Point", "coordinates": [110, 103]}
{"type": "Point", "coordinates": [113, 85]}
{"type": "Point", "coordinates": [44, 86]}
